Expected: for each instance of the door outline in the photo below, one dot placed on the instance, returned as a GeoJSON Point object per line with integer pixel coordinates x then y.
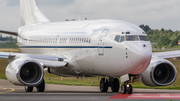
{"type": "Point", "coordinates": [56, 40]}
{"type": "Point", "coordinates": [101, 42]}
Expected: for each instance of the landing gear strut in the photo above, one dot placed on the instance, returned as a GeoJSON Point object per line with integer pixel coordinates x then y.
{"type": "Point", "coordinates": [127, 88]}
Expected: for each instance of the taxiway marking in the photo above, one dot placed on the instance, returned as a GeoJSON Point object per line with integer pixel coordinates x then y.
{"type": "Point", "coordinates": [6, 90]}
{"type": "Point", "coordinates": [146, 96]}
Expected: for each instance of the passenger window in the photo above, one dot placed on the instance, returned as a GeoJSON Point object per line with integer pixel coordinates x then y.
{"type": "Point", "coordinates": [117, 38]}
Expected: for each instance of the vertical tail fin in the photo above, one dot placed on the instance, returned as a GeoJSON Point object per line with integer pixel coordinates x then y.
{"type": "Point", "coordinates": [30, 13]}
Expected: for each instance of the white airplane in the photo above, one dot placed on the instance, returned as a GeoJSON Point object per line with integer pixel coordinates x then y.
{"type": "Point", "coordinates": [109, 48]}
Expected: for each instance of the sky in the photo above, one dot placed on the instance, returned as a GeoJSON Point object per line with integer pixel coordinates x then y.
{"type": "Point", "coordinates": [155, 13]}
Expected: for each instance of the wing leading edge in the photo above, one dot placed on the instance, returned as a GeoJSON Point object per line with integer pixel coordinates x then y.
{"type": "Point", "coordinates": [168, 54]}
{"type": "Point", "coordinates": [45, 60]}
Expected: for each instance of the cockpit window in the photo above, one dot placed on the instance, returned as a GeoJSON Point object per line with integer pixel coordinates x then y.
{"type": "Point", "coordinates": [117, 38]}
{"type": "Point", "coordinates": [132, 38]}
{"type": "Point", "coordinates": [122, 39]}
{"type": "Point", "coordinates": [143, 38]}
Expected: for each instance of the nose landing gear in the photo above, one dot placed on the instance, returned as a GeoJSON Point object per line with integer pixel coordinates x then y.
{"type": "Point", "coordinates": [126, 89]}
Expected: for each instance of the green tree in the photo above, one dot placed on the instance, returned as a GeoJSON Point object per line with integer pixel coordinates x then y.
{"type": "Point", "coordinates": [146, 28]}
{"type": "Point", "coordinates": [164, 41]}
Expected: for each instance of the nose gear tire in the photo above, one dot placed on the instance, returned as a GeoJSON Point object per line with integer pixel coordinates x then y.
{"type": "Point", "coordinates": [129, 89]}
{"type": "Point", "coordinates": [123, 89]}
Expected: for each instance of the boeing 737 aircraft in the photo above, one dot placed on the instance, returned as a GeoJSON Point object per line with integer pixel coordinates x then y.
{"type": "Point", "coordinates": [109, 48]}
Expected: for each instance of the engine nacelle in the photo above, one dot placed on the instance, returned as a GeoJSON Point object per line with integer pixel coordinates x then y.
{"type": "Point", "coordinates": [24, 72]}
{"type": "Point", "coordinates": [160, 72]}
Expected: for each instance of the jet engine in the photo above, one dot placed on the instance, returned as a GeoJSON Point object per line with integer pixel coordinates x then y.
{"type": "Point", "coordinates": [160, 72]}
{"type": "Point", "coordinates": [24, 72]}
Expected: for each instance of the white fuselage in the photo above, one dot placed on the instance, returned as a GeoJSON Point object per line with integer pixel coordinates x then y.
{"type": "Point", "coordinates": [89, 46]}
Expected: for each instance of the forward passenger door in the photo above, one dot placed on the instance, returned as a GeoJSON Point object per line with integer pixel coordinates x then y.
{"type": "Point", "coordinates": [101, 42]}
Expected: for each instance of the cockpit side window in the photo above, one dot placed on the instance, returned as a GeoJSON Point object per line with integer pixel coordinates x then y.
{"type": "Point", "coordinates": [122, 39]}
{"type": "Point", "coordinates": [143, 38]}
{"type": "Point", "coordinates": [117, 38]}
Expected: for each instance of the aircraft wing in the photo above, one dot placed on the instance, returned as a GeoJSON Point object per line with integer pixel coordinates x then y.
{"type": "Point", "coordinates": [9, 32]}
{"type": "Point", "coordinates": [167, 54]}
{"type": "Point", "coordinates": [45, 60]}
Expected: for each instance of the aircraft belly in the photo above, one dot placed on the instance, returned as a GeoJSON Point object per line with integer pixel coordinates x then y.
{"type": "Point", "coordinates": [68, 73]}
{"type": "Point", "coordinates": [84, 60]}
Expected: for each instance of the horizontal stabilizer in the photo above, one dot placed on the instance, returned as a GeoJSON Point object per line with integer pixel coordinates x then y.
{"type": "Point", "coordinates": [9, 32]}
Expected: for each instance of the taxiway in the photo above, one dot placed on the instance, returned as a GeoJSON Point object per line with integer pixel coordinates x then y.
{"type": "Point", "coordinates": [9, 92]}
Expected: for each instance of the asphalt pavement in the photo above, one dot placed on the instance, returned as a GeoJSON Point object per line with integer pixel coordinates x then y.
{"type": "Point", "coordinates": [9, 92]}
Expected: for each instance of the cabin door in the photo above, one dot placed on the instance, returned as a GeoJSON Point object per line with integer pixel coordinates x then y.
{"type": "Point", "coordinates": [101, 42]}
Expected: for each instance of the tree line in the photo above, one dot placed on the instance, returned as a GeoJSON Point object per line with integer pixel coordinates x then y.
{"type": "Point", "coordinates": [162, 38]}
{"type": "Point", "coordinates": [8, 42]}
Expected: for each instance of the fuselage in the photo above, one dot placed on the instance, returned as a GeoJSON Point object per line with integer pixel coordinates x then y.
{"type": "Point", "coordinates": [98, 47]}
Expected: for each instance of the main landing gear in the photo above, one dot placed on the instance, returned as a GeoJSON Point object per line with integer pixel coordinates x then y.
{"type": "Point", "coordinates": [114, 84]}
{"type": "Point", "coordinates": [40, 87]}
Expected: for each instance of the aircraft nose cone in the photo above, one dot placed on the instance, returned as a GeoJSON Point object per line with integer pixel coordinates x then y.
{"type": "Point", "coordinates": [141, 54]}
